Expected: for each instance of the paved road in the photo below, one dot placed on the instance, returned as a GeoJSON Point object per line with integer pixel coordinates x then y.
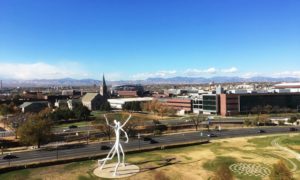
{"type": "Point", "coordinates": [171, 122]}
{"type": "Point", "coordinates": [94, 149]}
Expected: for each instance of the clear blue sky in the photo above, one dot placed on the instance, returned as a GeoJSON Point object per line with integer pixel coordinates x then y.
{"type": "Point", "coordinates": [136, 39]}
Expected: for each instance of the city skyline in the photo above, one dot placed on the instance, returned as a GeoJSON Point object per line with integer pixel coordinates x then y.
{"type": "Point", "coordinates": [132, 40]}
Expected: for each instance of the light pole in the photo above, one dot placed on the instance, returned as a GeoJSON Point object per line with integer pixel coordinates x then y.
{"type": "Point", "coordinates": [201, 136]}
{"type": "Point", "coordinates": [56, 150]}
{"type": "Point", "coordinates": [87, 138]}
{"type": "Point", "coordinates": [16, 126]}
{"type": "Point", "coordinates": [139, 137]}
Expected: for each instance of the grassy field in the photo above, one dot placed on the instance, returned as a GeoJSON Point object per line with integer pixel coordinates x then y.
{"type": "Point", "coordinates": [66, 125]}
{"type": "Point", "coordinates": [135, 116]}
{"type": "Point", "coordinates": [116, 115]}
{"type": "Point", "coordinates": [192, 162]}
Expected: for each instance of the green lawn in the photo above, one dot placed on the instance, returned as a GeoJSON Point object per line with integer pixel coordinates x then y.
{"type": "Point", "coordinates": [66, 125]}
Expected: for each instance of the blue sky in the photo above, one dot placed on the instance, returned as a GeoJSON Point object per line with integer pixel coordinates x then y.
{"type": "Point", "coordinates": [137, 39]}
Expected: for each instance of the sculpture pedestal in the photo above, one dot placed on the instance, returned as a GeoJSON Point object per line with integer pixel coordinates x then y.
{"type": "Point", "coordinates": [108, 170]}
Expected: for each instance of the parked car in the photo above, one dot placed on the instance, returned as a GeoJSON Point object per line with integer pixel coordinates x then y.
{"type": "Point", "coordinates": [73, 127]}
{"type": "Point", "coordinates": [293, 129]}
{"type": "Point", "coordinates": [9, 156]}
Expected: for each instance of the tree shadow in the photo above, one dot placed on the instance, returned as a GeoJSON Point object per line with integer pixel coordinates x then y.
{"type": "Point", "coordinates": [162, 163]}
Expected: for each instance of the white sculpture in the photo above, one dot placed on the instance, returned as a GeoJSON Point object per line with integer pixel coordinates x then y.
{"type": "Point", "coordinates": [117, 146]}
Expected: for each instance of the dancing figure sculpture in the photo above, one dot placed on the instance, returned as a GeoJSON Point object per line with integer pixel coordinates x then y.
{"type": "Point", "coordinates": [117, 146]}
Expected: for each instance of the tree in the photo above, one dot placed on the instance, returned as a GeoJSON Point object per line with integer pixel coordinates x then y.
{"type": "Point", "coordinates": [152, 106]}
{"type": "Point", "coordinates": [6, 109]}
{"type": "Point", "coordinates": [293, 119]}
{"type": "Point", "coordinates": [81, 112]}
{"type": "Point", "coordinates": [258, 110]}
{"type": "Point", "coordinates": [196, 120]}
{"type": "Point", "coordinates": [16, 121]}
{"type": "Point", "coordinates": [16, 100]}
{"type": "Point", "coordinates": [247, 122]}
{"type": "Point", "coordinates": [105, 106]}
{"type": "Point", "coordinates": [280, 172]}
{"type": "Point", "coordinates": [158, 127]}
{"type": "Point", "coordinates": [131, 127]}
{"type": "Point", "coordinates": [268, 109]}
{"type": "Point", "coordinates": [132, 106]}
{"type": "Point", "coordinates": [101, 125]}
{"type": "Point", "coordinates": [58, 114]}
{"type": "Point", "coordinates": [163, 110]}
{"type": "Point", "coordinates": [276, 109]}
{"type": "Point", "coordinates": [35, 131]}
{"type": "Point", "coordinates": [223, 173]}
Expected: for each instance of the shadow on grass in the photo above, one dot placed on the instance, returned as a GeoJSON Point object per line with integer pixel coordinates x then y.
{"type": "Point", "coordinates": [162, 163]}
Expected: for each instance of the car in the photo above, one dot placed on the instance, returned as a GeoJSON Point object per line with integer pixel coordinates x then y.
{"type": "Point", "coordinates": [211, 135]}
{"type": "Point", "coordinates": [147, 138]}
{"type": "Point", "coordinates": [261, 131]}
{"type": "Point", "coordinates": [105, 147]}
{"type": "Point", "coordinates": [293, 129]}
{"type": "Point", "coordinates": [66, 130]}
{"type": "Point", "coordinates": [9, 156]}
{"type": "Point", "coordinates": [152, 141]}
{"type": "Point", "coordinates": [73, 127]}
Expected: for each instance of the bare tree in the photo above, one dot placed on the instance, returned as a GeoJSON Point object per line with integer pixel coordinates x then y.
{"type": "Point", "coordinates": [101, 125]}
{"type": "Point", "coordinates": [268, 109]}
{"type": "Point", "coordinates": [196, 120]}
{"type": "Point", "coordinates": [132, 127]}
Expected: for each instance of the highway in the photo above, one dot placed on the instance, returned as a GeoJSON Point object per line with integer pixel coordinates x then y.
{"type": "Point", "coordinates": [81, 150]}
{"type": "Point", "coordinates": [172, 122]}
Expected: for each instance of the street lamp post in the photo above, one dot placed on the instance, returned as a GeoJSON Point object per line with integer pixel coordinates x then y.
{"type": "Point", "coordinates": [139, 137]}
{"type": "Point", "coordinates": [88, 137]}
{"type": "Point", "coordinates": [56, 150]}
{"type": "Point", "coordinates": [16, 126]}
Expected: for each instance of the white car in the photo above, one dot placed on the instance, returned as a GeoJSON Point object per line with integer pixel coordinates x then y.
{"type": "Point", "coordinates": [66, 130]}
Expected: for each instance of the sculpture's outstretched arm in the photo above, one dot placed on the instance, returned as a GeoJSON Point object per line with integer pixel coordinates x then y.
{"type": "Point", "coordinates": [107, 121]}
{"type": "Point", "coordinates": [127, 139]}
{"type": "Point", "coordinates": [126, 121]}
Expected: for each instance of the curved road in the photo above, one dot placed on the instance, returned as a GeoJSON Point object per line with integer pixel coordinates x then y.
{"type": "Point", "coordinates": [84, 150]}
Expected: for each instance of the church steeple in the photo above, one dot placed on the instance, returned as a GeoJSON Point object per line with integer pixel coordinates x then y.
{"type": "Point", "coordinates": [103, 88]}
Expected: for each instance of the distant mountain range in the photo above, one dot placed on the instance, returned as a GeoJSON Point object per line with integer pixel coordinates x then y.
{"type": "Point", "coordinates": [173, 80]}
{"type": "Point", "coordinates": [216, 79]}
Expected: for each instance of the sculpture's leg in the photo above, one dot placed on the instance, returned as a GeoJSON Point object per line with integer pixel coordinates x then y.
{"type": "Point", "coordinates": [123, 154]}
{"type": "Point", "coordinates": [107, 157]}
{"type": "Point", "coordinates": [117, 166]}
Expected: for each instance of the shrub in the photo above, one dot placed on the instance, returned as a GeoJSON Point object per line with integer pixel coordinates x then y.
{"type": "Point", "coordinates": [223, 173]}
{"type": "Point", "coordinates": [160, 176]}
{"type": "Point", "coordinates": [281, 172]}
